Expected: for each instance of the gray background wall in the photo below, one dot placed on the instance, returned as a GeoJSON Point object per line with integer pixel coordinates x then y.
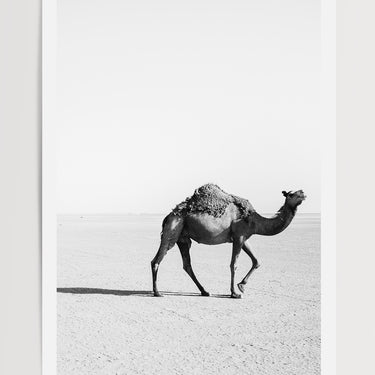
{"type": "Point", "coordinates": [20, 129]}
{"type": "Point", "coordinates": [20, 148]}
{"type": "Point", "coordinates": [355, 179]}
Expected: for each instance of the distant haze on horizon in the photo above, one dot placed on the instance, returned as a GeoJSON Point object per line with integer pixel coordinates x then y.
{"type": "Point", "coordinates": [158, 98]}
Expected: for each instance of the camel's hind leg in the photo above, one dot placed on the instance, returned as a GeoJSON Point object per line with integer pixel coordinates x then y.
{"type": "Point", "coordinates": [184, 246]}
{"type": "Point", "coordinates": [172, 227]}
{"type": "Point", "coordinates": [246, 249]}
{"type": "Point", "coordinates": [233, 267]}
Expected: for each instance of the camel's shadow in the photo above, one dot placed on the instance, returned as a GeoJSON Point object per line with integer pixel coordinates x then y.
{"type": "Point", "coordinates": [125, 293]}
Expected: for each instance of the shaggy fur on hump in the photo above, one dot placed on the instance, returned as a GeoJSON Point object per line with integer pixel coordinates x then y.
{"type": "Point", "coordinates": [211, 200]}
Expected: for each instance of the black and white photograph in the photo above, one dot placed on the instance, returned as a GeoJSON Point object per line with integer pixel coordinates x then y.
{"type": "Point", "coordinates": [188, 187]}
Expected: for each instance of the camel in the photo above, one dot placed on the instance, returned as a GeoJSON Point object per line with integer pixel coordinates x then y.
{"type": "Point", "coordinates": [211, 216]}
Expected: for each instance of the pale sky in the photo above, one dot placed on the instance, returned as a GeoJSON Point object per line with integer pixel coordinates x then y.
{"type": "Point", "coordinates": [156, 98]}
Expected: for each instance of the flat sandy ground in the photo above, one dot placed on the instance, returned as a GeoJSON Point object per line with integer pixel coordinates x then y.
{"type": "Point", "coordinates": [108, 322]}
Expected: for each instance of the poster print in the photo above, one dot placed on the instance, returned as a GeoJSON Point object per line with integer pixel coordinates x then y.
{"type": "Point", "coordinates": [188, 167]}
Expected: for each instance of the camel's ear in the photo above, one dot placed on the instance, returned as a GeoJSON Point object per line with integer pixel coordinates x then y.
{"type": "Point", "coordinates": [285, 194]}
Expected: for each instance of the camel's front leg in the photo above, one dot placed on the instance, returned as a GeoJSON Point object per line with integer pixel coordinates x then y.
{"type": "Point", "coordinates": [246, 249]}
{"type": "Point", "coordinates": [233, 266]}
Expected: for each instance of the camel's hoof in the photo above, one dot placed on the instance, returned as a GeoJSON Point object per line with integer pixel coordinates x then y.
{"type": "Point", "coordinates": [235, 295]}
{"type": "Point", "coordinates": [241, 287]}
{"type": "Point", "coordinates": [205, 294]}
{"type": "Point", "coordinates": [157, 294]}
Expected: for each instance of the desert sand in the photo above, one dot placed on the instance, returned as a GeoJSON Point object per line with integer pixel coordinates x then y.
{"type": "Point", "coordinates": [109, 323]}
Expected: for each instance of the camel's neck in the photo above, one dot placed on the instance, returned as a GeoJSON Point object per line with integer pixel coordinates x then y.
{"type": "Point", "coordinates": [276, 224]}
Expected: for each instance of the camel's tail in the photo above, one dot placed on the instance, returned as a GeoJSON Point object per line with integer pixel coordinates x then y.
{"type": "Point", "coordinates": [163, 223]}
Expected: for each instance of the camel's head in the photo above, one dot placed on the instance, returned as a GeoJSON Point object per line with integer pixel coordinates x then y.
{"type": "Point", "coordinates": [294, 199]}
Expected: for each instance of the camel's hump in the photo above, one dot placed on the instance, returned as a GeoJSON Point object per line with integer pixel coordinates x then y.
{"type": "Point", "coordinates": [211, 199]}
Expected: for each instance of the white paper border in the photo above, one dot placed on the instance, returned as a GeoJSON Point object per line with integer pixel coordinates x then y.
{"type": "Point", "coordinates": [328, 188]}
{"type": "Point", "coordinates": [49, 241]}
{"type": "Point", "coordinates": [328, 175]}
